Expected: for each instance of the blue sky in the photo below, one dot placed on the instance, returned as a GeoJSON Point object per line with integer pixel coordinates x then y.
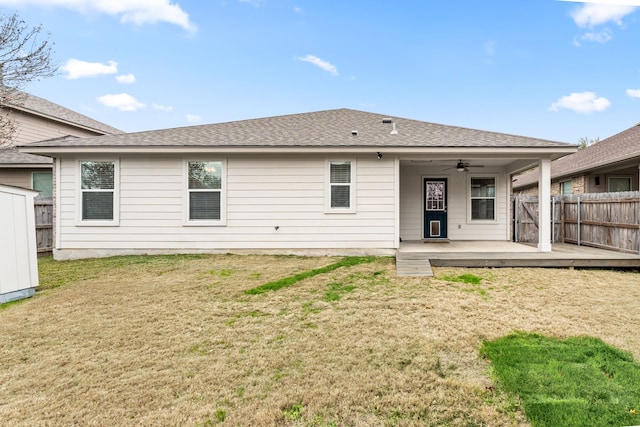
{"type": "Point", "coordinates": [552, 69]}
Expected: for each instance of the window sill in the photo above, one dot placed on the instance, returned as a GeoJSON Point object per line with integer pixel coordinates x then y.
{"type": "Point", "coordinates": [204, 223]}
{"type": "Point", "coordinates": [340, 211]}
{"type": "Point", "coordinates": [98, 223]}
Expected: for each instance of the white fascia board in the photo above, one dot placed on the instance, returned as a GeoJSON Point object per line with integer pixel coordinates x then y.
{"type": "Point", "coordinates": [403, 152]}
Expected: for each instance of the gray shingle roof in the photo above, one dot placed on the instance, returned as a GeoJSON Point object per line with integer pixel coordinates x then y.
{"type": "Point", "coordinates": [330, 128]}
{"type": "Point", "coordinates": [11, 156]}
{"type": "Point", "coordinates": [619, 147]}
{"type": "Point", "coordinates": [42, 107]}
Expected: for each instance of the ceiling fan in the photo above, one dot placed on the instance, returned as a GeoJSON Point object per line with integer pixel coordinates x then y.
{"type": "Point", "coordinates": [464, 166]}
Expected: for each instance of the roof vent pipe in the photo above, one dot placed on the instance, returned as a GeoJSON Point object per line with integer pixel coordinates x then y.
{"type": "Point", "coordinates": [387, 120]}
{"type": "Point", "coordinates": [394, 131]}
{"type": "Point", "coordinates": [354, 132]}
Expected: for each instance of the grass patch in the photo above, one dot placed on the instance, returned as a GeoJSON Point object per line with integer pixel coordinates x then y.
{"type": "Point", "coordinates": [291, 280]}
{"type": "Point", "coordinates": [474, 283]}
{"type": "Point", "coordinates": [335, 291]}
{"type": "Point", "coordinates": [573, 382]}
{"type": "Point", "coordinates": [54, 274]}
{"type": "Point", "coordinates": [469, 279]}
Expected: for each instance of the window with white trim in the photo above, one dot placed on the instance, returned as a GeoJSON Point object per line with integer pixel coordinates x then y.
{"type": "Point", "coordinates": [483, 198]}
{"type": "Point", "coordinates": [204, 188]}
{"type": "Point", "coordinates": [98, 191]}
{"type": "Point", "coordinates": [341, 191]}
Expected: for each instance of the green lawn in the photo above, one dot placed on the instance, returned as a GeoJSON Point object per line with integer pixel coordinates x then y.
{"type": "Point", "coordinates": [203, 340]}
{"type": "Point", "coordinates": [577, 381]}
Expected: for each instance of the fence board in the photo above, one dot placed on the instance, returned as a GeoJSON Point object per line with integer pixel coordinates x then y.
{"type": "Point", "coordinates": [43, 207]}
{"type": "Point", "coordinates": [602, 220]}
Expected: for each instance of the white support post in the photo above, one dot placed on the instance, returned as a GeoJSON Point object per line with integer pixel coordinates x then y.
{"type": "Point", "coordinates": [544, 206]}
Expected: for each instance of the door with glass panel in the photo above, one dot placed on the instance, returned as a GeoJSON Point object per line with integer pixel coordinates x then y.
{"type": "Point", "coordinates": [435, 208]}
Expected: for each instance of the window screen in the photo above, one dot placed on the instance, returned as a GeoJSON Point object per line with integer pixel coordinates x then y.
{"type": "Point", "coordinates": [483, 193]}
{"type": "Point", "coordinates": [98, 190]}
{"type": "Point", "coordinates": [205, 190]}
{"type": "Point", "coordinates": [340, 182]}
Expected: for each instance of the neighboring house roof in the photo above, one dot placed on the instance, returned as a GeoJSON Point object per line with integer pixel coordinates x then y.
{"type": "Point", "coordinates": [44, 108]}
{"type": "Point", "coordinates": [617, 148]}
{"type": "Point", "coordinates": [31, 104]}
{"type": "Point", "coordinates": [11, 157]}
{"type": "Point", "coordinates": [323, 129]}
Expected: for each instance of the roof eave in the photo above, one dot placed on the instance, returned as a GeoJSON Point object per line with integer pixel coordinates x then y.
{"type": "Point", "coordinates": [533, 152]}
{"type": "Point", "coordinates": [26, 165]}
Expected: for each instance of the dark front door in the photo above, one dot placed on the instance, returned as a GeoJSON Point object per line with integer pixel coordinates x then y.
{"type": "Point", "coordinates": [435, 208]}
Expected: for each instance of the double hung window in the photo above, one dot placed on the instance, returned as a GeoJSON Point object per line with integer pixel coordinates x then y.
{"type": "Point", "coordinates": [205, 191]}
{"type": "Point", "coordinates": [341, 188]}
{"type": "Point", "coordinates": [98, 191]}
{"type": "Point", "coordinates": [483, 198]}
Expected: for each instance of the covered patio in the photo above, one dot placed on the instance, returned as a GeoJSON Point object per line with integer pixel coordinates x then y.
{"type": "Point", "coordinates": [415, 258]}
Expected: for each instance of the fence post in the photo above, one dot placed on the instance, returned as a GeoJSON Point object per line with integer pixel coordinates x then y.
{"type": "Point", "coordinates": [578, 220]}
{"type": "Point", "coordinates": [515, 220]}
{"type": "Point", "coordinates": [553, 220]}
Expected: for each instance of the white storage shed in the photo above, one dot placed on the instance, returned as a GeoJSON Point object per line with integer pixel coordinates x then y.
{"type": "Point", "coordinates": [18, 248]}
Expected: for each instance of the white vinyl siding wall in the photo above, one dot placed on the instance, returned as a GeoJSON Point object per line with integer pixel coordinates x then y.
{"type": "Point", "coordinates": [459, 227]}
{"type": "Point", "coordinates": [272, 202]}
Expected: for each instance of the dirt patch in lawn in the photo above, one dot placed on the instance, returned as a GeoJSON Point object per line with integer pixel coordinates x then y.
{"type": "Point", "coordinates": [176, 341]}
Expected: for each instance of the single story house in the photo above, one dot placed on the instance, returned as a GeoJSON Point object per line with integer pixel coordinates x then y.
{"type": "Point", "coordinates": [610, 165]}
{"type": "Point", "coordinates": [37, 119]}
{"type": "Point", "coordinates": [329, 182]}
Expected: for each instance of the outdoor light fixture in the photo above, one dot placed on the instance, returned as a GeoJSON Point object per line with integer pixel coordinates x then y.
{"type": "Point", "coordinates": [460, 166]}
{"type": "Point", "coordinates": [379, 155]}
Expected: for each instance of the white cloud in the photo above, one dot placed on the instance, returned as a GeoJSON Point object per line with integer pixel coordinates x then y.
{"type": "Point", "coordinates": [634, 93]}
{"type": "Point", "coordinates": [598, 37]}
{"type": "Point", "coordinates": [121, 101]}
{"type": "Point", "coordinates": [193, 118]}
{"type": "Point", "coordinates": [126, 78]}
{"type": "Point", "coordinates": [138, 12]}
{"type": "Point", "coordinates": [159, 107]}
{"type": "Point", "coordinates": [593, 14]}
{"type": "Point", "coordinates": [584, 102]}
{"type": "Point", "coordinates": [609, 2]}
{"type": "Point", "coordinates": [77, 69]}
{"type": "Point", "coordinates": [326, 66]}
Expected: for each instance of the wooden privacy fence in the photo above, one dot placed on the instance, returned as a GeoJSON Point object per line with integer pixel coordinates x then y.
{"type": "Point", "coordinates": [44, 223]}
{"type": "Point", "coordinates": [601, 220]}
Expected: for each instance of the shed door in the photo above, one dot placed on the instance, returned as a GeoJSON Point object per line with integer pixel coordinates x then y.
{"type": "Point", "coordinates": [435, 208]}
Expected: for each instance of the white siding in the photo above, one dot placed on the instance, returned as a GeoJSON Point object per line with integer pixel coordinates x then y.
{"type": "Point", "coordinates": [272, 202]}
{"type": "Point", "coordinates": [459, 225]}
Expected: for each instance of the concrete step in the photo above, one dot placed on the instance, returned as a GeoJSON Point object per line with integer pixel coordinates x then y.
{"type": "Point", "coordinates": [413, 264]}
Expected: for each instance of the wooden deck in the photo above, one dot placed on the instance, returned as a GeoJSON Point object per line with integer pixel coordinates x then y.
{"type": "Point", "coordinates": [417, 258]}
